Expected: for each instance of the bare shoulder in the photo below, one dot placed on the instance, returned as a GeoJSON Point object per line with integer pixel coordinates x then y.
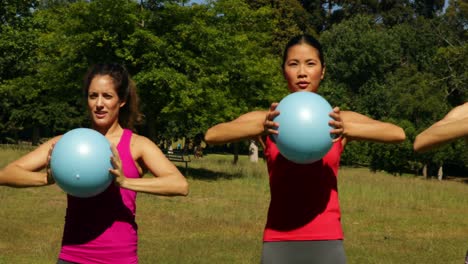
{"type": "Point", "coordinates": [136, 138]}
{"type": "Point", "coordinates": [140, 144]}
{"type": "Point", "coordinates": [139, 140]}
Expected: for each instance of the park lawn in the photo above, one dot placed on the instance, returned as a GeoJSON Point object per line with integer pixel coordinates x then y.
{"type": "Point", "coordinates": [386, 219]}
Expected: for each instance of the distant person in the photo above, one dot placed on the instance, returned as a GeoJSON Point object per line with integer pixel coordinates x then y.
{"type": "Point", "coordinates": [253, 151]}
{"type": "Point", "coordinates": [304, 219]}
{"type": "Point", "coordinates": [102, 229]}
{"type": "Point", "coordinates": [198, 151]}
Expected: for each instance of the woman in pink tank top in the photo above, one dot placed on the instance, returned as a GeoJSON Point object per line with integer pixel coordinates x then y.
{"type": "Point", "coordinates": [102, 229]}
{"type": "Point", "coordinates": [303, 222]}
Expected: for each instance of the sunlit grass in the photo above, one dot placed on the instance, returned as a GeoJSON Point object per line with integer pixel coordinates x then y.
{"type": "Point", "coordinates": [386, 219]}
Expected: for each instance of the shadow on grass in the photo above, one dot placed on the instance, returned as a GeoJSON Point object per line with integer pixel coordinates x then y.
{"type": "Point", "coordinates": [205, 174]}
{"type": "Point", "coordinates": [457, 179]}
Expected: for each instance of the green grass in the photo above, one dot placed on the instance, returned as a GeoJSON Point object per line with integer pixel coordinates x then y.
{"type": "Point", "coordinates": [386, 219]}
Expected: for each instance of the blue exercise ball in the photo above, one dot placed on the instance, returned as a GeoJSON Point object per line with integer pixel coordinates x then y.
{"type": "Point", "coordinates": [80, 162]}
{"type": "Point", "coordinates": [303, 133]}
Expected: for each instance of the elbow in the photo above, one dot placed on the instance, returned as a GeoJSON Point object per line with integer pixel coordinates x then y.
{"type": "Point", "coordinates": [208, 138]}
{"type": "Point", "coordinates": [182, 189]}
{"type": "Point", "coordinates": [397, 136]}
{"type": "Point", "coordinates": [418, 147]}
{"type": "Point", "coordinates": [401, 136]}
{"type": "Point", "coordinates": [185, 189]}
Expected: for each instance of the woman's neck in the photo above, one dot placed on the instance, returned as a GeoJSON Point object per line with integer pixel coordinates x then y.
{"type": "Point", "coordinates": [113, 130]}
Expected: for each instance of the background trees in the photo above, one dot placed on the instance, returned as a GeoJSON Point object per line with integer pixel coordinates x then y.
{"type": "Point", "coordinates": [199, 64]}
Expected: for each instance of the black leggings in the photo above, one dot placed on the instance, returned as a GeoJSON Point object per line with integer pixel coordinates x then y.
{"type": "Point", "coordinates": [304, 252]}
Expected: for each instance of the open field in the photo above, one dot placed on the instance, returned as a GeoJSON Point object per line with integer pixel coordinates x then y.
{"type": "Point", "coordinates": [386, 219]}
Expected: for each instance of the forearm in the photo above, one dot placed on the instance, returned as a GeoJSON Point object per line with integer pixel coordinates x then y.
{"type": "Point", "coordinates": [15, 176]}
{"type": "Point", "coordinates": [167, 186]}
{"type": "Point", "coordinates": [234, 131]}
{"type": "Point", "coordinates": [439, 134]}
{"type": "Point", "coordinates": [376, 132]}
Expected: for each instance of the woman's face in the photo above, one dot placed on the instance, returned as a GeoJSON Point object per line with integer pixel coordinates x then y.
{"type": "Point", "coordinates": [303, 69]}
{"type": "Point", "coordinates": [103, 101]}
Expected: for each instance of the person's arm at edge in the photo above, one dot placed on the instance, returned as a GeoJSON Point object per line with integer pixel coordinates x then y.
{"type": "Point", "coordinates": [440, 133]}
{"type": "Point", "coordinates": [360, 127]}
{"type": "Point", "coordinates": [454, 125]}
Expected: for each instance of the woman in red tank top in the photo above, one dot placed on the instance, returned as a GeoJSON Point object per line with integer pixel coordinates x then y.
{"type": "Point", "coordinates": [303, 223]}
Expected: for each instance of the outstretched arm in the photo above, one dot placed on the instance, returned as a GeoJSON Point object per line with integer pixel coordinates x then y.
{"type": "Point", "coordinates": [255, 124]}
{"type": "Point", "coordinates": [250, 125]}
{"type": "Point", "coordinates": [360, 127]}
{"type": "Point", "coordinates": [26, 171]}
{"type": "Point", "coordinates": [453, 126]}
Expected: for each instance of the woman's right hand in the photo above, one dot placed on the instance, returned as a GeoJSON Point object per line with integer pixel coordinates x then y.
{"type": "Point", "coordinates": [269, 126]}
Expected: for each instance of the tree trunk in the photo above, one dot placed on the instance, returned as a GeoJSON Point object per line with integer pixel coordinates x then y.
{"type": "Point", "coordinates": [424, 172]}
{"type": "Point", "coordinates": [35, 136]}
{"type": "Point", "coordinates": [236, 152]}
{"type": "Point", "coordinates": [440, 173]}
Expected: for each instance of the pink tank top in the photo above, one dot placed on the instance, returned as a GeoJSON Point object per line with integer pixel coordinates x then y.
{"type": "Point", "coordinates": [304, 197]}
{"type": "Point", "coordinates": [102, 229]}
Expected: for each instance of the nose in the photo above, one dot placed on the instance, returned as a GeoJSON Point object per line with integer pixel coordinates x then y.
{"type": "Point", "coordinates": [99, 102]}
{"type": "Point", "coordinates": [301, 72]}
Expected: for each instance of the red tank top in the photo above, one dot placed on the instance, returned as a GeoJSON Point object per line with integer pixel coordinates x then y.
{"type": "Point", "coordinates": [304, 197]}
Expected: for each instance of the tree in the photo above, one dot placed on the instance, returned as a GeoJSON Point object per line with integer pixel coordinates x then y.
{"type": "Point", "coordinates": [13, 12]}
{"type": "Point", "coordinates": [428, 8]}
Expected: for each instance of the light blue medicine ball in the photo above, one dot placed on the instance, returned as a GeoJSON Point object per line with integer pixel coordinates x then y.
{"type": "Point", "coordinates": [303, 133]}
{"type": "Point", "coordinates": [80, 162]}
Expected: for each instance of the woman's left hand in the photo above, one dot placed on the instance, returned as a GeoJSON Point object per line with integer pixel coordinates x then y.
{"type": "Point", "coordinates": [337, 124]}
{"type": "Point", "coordinates": [117, 166]}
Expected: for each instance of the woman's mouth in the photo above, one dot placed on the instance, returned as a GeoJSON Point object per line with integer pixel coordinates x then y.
{"type": "Point", "coordinates": [303, 85]}
{"type": "Point", "coordinates": [100, 115]}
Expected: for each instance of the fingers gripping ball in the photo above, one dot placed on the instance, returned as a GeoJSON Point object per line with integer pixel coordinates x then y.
{"type": "Point", "coordinates": [80, 162]}
{"type": "Point", "coordinates": [303, 133]}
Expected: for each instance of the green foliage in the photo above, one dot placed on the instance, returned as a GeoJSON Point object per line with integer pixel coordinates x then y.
{"type": "Point", "coordinates": [13, 12]}
{"type": "Point", "coordinates": [394, 158]}
{"type": "Point", "coordinates": [358, 50]}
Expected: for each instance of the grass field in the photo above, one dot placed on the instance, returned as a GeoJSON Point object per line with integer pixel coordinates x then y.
{"type": "Point", "coordinates": [386, 219]}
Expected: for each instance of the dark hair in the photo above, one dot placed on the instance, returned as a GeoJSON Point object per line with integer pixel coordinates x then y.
{"type": "Point", "coordinates": [303, 39]}
{"type": "Point", "coordinates": [129, 114]}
